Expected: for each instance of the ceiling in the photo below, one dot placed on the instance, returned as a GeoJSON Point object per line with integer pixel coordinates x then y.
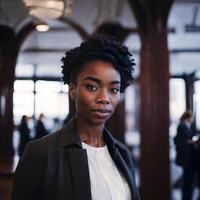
{"type": "Point", "coordinates": [47, 48]}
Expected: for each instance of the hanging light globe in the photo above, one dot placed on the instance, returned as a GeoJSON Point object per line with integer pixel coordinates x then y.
{"type": "Point", "coordinates": [48, 9]}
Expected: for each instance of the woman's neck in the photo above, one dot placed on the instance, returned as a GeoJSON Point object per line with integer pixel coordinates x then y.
{"type": "Point", "coordinates": [91, 134]}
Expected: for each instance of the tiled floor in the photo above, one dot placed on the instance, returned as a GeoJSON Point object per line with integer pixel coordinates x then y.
{"type": "Point", "coordinates": [176, 192]}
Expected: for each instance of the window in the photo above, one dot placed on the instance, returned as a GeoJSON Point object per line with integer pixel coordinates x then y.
{"type": "Point", "coordinates": [23, 99]}
{"type": "Point", "coordinates": [196, 103]}
{"type": "Point", "coordinates": [51, 99]}
{"type": "Point", "coordinates": [47, 97]}
{"type": "Point", "coordinates": [177, 102]}
{"type": "Point", "coordinates": [177, 106]}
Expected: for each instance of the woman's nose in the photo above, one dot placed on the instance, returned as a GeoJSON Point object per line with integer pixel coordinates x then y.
{"type": "Point", "coordinates": [103, 97]}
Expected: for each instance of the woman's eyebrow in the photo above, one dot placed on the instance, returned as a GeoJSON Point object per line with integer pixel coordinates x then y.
{"type": "Point", "coordinates": [91, 78]}
{"type": "Point", "coordinates": [115, 82]}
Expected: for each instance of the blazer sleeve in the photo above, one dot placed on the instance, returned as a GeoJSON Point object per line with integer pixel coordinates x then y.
{"type": "Point", "coordinates": [27, 177]}
{"type": "Point", "coordinates": [182, 137]}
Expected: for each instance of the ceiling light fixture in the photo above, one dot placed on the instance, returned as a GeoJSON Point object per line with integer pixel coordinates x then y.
{"type": "Point", "coordinates": [49, 9]}
{"type": "Point", "coordinates": [42, 27]}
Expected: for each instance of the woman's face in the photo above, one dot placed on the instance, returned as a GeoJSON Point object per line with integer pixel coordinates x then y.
{"type": "Point", "coordinates": [96, 92]}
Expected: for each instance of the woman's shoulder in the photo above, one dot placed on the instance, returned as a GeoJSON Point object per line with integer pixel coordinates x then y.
{"type": "Point", "coordinates": [52, 137]}
{"type": "Point", "coordinates": [46, 144]}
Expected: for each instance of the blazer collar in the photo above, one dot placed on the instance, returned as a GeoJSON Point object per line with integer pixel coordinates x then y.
{"type": "Point", "coordinates": [110, 140]}
{"type": "Point", "coordinates": [70, 135]}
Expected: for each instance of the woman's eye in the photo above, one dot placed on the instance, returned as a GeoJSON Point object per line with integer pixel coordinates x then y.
{"type": "Point", "coordinates": [115, 90]}
{"type": "Point", "coordinates": [91, 87]}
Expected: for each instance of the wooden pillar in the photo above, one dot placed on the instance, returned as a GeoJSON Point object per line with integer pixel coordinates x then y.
{"type": "Point", "coordinates": [72, 110]}
{"type": "Point", "coordinates": [155, 119]}
{"type": "Point", "coordinates": [116, 124]}
{"type": "Point", "coordinates": [10, 43]}
{"type": "Point", "coordinates": [154, 81]}
{"type": "Point", "coordinates": [7, 42]}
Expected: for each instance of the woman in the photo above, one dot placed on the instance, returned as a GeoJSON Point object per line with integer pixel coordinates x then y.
{"type": "Point", "coordinates": [82, 161]}
{"type": "Point", "coordinates": [186, 153]}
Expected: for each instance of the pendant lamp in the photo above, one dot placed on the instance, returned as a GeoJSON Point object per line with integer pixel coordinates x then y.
{"type": "Point", "coordinates": [49, 9]}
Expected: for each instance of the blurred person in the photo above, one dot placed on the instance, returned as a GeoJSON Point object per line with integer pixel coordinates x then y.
{"type": "Point", "coordinates": [196, 138]}
{"type": "Point", "coordinates": [57, 124]}
{"type": "Point", "coordinates": [40, 131]}
{"type": "Point", "coordinates": [186, 149]}
{"type": "Point", "coordinates": [83, 161]}
{"type": "Point", "coordinates": [24, 132]}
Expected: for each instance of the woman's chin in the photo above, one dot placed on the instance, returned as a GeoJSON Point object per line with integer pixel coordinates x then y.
{"type": "Point", "coordinates": [98, 121]}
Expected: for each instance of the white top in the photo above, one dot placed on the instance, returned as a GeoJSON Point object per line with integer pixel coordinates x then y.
{"type": "Point", "coordinates": [106, 181]}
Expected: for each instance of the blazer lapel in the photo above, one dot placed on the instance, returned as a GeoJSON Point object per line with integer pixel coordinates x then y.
{"type": "Point", "coordinates": [64, 185]}
{"type": "Point", "coordinates": [80, 174]}
{"type": "Point", "coordinates": [75, 159]}
{"type": "Point", "coordinates": [120, 163]}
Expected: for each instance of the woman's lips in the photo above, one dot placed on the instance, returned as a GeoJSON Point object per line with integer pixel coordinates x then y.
{"type": "Point", "coordinates": [102, 113]}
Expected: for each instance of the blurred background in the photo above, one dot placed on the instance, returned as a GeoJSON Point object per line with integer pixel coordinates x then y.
{"type": "Point", "coordinates": [164, 38]}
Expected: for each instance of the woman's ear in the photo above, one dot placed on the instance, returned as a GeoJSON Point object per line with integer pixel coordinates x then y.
{"type": "Point", "coordinates": [72, 91]}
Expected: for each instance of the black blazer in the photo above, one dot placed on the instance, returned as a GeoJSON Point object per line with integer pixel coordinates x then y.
{"type": "Point", "coordinates": [184, 151]}
{"type": "Point", "coordinates": [55, 167]}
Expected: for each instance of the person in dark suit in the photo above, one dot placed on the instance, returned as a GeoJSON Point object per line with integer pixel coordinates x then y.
{"type": "Point", "coordinates": [40, 131]}
{"type": "Point", "coordinates": [83, 161]}
{"type": "Point", "coordinates": [186, 153]}
{"type": "Point", "coordinates": [24, 132]}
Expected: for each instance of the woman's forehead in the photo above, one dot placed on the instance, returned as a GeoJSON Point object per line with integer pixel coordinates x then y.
{"type": "Point", "coordinates": [101, 70]}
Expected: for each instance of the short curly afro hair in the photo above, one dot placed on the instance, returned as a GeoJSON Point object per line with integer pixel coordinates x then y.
{"type": "Point", "coordinates": [99, 47]}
